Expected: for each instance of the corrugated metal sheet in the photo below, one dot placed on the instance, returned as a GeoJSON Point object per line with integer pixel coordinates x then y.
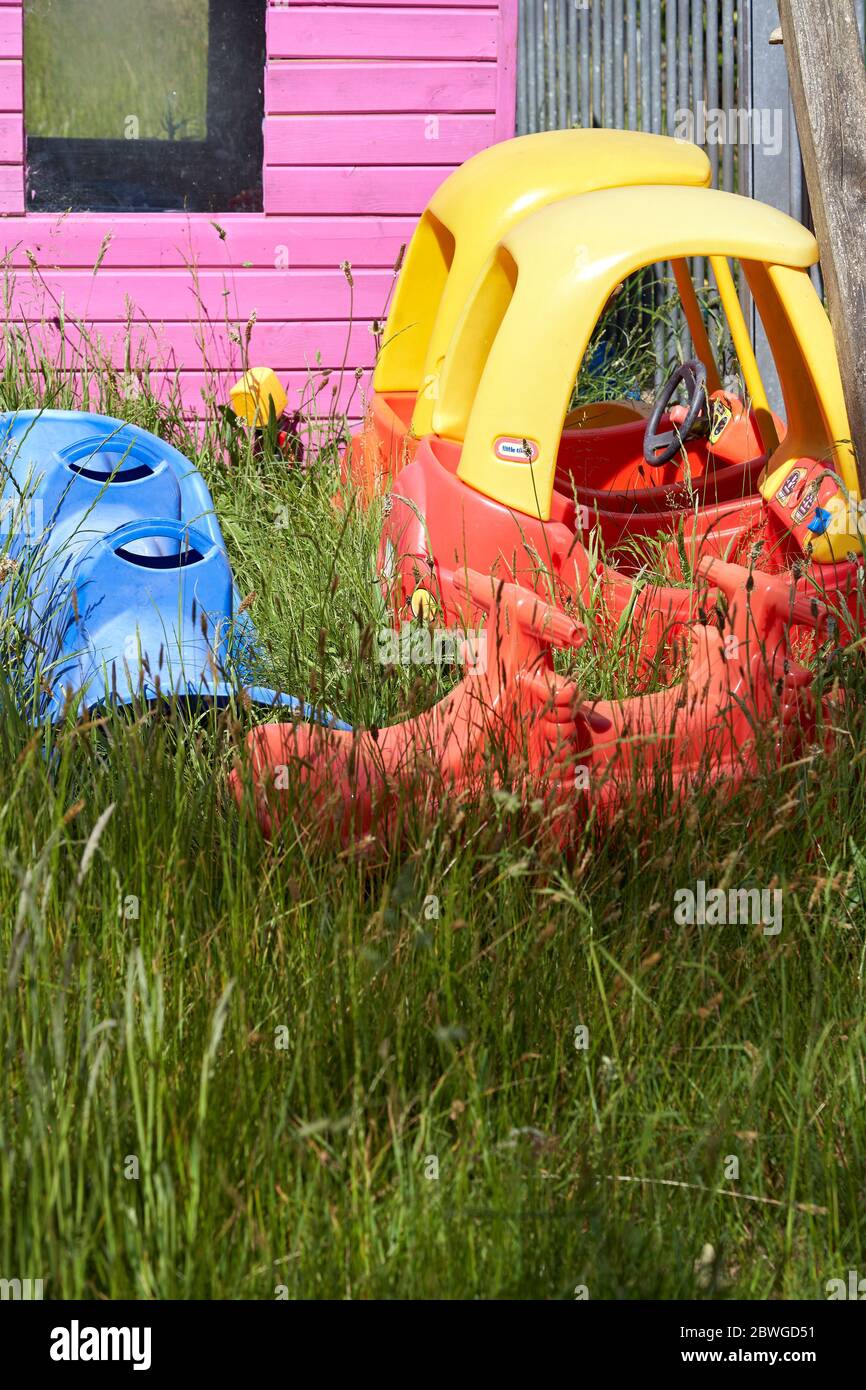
{"type": "Point", "coordinates": [657, 64]}
{"type": "Point", "coordinates": [636, 64]}
{"type": "Point", "coordinates": [702, 69]}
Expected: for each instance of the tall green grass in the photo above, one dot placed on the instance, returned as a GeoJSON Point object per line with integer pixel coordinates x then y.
{"type": "Point", "coordinates": [237, 1070]}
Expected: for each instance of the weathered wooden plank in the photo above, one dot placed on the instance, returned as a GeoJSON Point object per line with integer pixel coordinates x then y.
{"type": "Point", "coordinates": [828, 86]}
{"type": "Point", "coordinates": [11, 188]}
{"type": "Point", "coordinates": [365, 140]}
{"type": "Point", "coordinates": [11, 85]}
{"type": "Point", "coordinates": [506, 70]}
{"type": "Point", "coordinates": [11, 139]}
{"type": "Point", "coordinates": [239, 241]}
{"type": "Point", "coordinates": [173, 295]}
{"type": "Point", "coordinates": [11, 30]}
{"type": "Point", "coordinates": [307, 344]}
{"type": "Point", "coordinates": [309, 31]}
{"type": "Point", "coordinates": [307, 88]}
{"type": "Point", "coordinates": [334, 189]}
{"type": "Point", "coordinates": [380, 4]}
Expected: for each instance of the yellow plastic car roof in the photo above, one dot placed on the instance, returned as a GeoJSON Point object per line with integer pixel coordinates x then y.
{"type": "Point", "coordinates": [512, 363]}
{"type": "Point", "coordinates": [657, 222]}
{"type": "Point", "coordinates": [477, 205]}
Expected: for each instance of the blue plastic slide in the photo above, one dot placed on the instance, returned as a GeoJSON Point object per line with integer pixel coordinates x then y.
{"type": "Point", "coordinates": [130, 593]}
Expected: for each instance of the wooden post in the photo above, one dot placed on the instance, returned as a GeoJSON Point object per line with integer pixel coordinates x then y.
{"type": "Point", "coordinates": [828, 86]}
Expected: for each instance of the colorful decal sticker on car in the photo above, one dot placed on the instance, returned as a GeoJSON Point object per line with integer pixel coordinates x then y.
{"type": "Point", "coordinates": [722, 415]}
{"type": "Point", "coordinates": [514, 449]}
{"type": "Point", "coordinates": [789, 484]}
{"type": "Point", "coordinates": [810, 497]}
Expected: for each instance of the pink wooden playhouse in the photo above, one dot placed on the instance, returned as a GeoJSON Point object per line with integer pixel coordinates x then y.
{"type": "Point", "coordinates": [367, 107]}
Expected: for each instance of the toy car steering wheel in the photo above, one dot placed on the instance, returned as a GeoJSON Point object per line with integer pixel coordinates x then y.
{"type": "Point", "coordinates": [661, 446]}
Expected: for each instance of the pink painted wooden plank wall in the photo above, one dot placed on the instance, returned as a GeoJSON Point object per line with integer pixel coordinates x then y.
{"type": "Point", "coordinates": [369, 105]}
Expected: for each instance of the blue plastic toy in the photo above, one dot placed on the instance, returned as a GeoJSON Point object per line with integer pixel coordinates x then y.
{"type": "Point", "coordinates": [130, 592]}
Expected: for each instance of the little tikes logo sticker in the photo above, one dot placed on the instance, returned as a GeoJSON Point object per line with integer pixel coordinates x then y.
{"type": "Point", "coordinates": [512, 449]}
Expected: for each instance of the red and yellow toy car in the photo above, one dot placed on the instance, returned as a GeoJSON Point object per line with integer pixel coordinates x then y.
{"type": "Point", "coordinates": [495, 513]}
{"type": "Point", "coordinates": [512, 480]}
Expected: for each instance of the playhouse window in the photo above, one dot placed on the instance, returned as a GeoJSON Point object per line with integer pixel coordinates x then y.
{"type": "Point", "coordinates": [144, 105]}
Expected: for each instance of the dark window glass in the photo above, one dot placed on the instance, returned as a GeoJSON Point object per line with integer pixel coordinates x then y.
{"type": "Point", "coordinates": [144, 105]}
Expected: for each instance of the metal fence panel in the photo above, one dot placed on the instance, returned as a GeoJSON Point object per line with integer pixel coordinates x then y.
{"type": "Point", "coordinates": [657, 65]}
{"type": "Point", "coordinates": [700, 69]}
{"type": "Point", "coordinates": [669, 66]}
